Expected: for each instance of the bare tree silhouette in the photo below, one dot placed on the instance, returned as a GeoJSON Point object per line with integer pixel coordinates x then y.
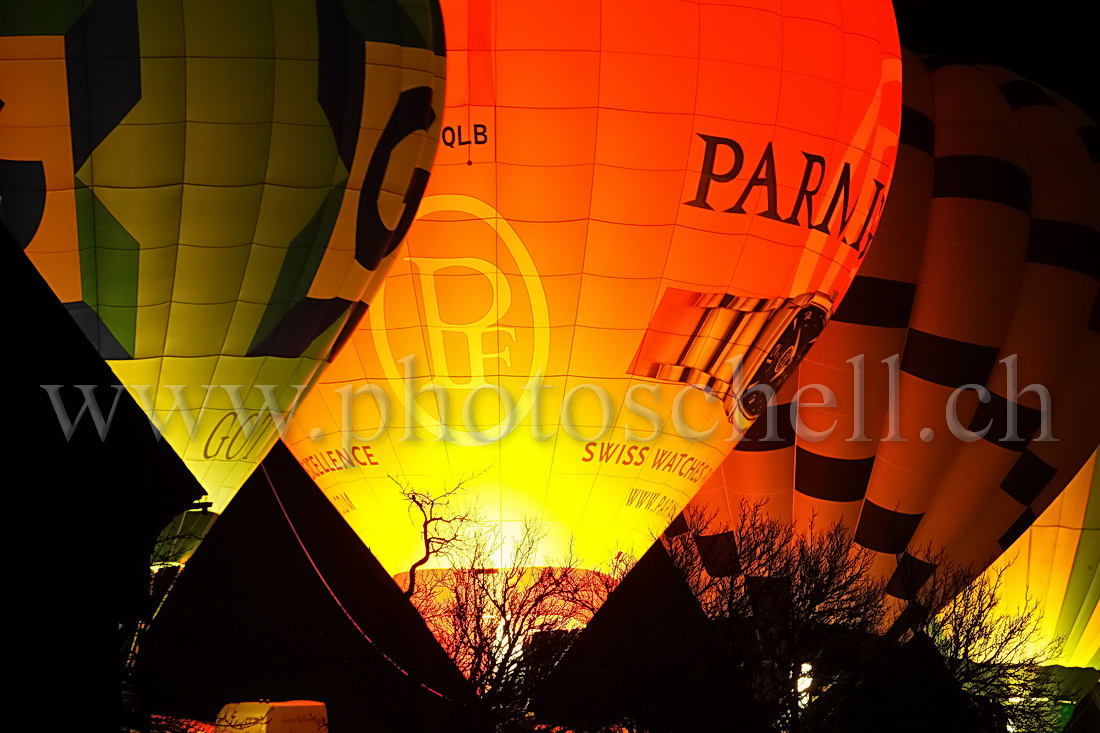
{"type": "Point", "coordinates": [997, 658]}
{"type": "Point", "coordinates": [504, 613]}
{"type": "Point", "coordinates": [793, 608]}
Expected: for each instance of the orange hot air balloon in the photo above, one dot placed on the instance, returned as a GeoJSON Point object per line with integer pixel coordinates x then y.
{"type": "Point", "coordinates": [867, 329]}
{"type": "Point", "coordinates": [641, 211]}
{"type": "Point", "coordinates": [985, 267]}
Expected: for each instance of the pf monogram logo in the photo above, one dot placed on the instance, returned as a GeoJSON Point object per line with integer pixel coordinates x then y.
{"type": "Point", "coordinates": [472, 332]}
{"type": "Point", "coordinates": [461, 325]}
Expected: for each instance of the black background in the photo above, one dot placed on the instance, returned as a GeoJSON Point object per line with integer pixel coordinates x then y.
{"type": "Point", "coordinates": [1052, 42]}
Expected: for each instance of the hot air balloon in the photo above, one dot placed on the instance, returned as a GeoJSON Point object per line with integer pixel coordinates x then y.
{"type": "Point", "coordinates": [641, 212]}
{"type": "Point", "coordinates": [215, 191]}
{"type": "Point", "coordinates": [959, 366]}
{"type": "Point", "coordinates": [1055, 563]}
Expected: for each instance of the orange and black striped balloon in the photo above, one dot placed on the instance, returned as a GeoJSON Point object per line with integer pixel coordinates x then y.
{"type": "Point", "coordinates": [994, 238]}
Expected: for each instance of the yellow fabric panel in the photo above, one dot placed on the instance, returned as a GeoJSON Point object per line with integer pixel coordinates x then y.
{"type": "Point", "coordinates": [250, 143]}
{"type": "Point", "coordinates": [300, 171]}
{"type": "Point", "coordinates": [255, 283]}
{"type": "Point", "coordinates": [1039, 564]}
{"type": "Point", "coordinates": [219, 453]}
{"type": "Point", "coordinates": [229, 91]}
{"type": "Point", "coordinates": [282, 212]}
{"type": "Point", "coordinates": [288, 21]}
{"type": "Point", "coordinates": [1060, 526]}
{"type": "Point", "coordinates": [140, 155]}
{"type": "Point", "coordinates": [242, 29]}
{"type": "Point", "coordinates": [219, 216]}
{"type": "Point", "coordinates": [209, 276]}
{"type": "Point", "coordinates": [151, 216]}
{"type": "Point", "coordinates": [200, 328]}
{"type": "Point", "coordinates": [1085, 654]}
{"type": "Point", "coordinates": [294, 76]}
{"type": "Point", "coordinates": [159, 25]}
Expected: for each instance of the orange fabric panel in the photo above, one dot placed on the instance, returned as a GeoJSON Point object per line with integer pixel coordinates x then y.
{"type": "Point", "coordinates": [759, 469]}
{"type": "Point", "coordinates": [34, 125]}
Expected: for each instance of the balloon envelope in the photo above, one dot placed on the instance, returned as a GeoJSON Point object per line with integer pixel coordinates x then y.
{"type": "Point", "coordinates": [961, 364]}
{"type": "Point", "coordinates": [1056, 564]}
{"type": "Point", "coordinates": [213, 190]}
{"type": "Point", "coordinates": [640, 210]}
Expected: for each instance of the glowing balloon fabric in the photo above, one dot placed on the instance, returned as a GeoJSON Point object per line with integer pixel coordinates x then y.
{"type": "Point", "coordinates": [1056, 563]}
{"type": "Point", "coordinates": [984, 281]}
{"type": "Point", "coordinates": [214, 188]}
{"type": "Point", "coordinates": [631, 198]}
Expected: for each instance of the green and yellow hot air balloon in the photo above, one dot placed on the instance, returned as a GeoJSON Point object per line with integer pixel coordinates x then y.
{"type": "Point", "coordinates": [1056, 564]}
{"type": "Point", "coordinates": [215, 190]}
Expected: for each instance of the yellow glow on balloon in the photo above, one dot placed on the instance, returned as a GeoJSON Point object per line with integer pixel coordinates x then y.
{"type": "Point", "coordinates": [634, 202]}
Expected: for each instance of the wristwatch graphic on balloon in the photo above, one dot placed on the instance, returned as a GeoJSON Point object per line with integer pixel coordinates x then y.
{"type": "Point", "coordinates": [741, 349]}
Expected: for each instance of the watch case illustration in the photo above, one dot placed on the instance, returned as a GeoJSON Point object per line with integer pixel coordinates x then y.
{"type": "Point", "coordinates": [740, 349]}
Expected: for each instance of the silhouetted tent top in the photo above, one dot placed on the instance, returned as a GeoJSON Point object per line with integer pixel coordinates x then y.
{"type": "Point", "coordinates": [253, 616]}
{"type": "Point", "coordinates": [1074, 682]}
{"type": "Point", "coordinates": [906, 691]}
{"type": "Point", "coordinates": [1086, 716]}
{"type": "Point", "coordinates": [88, 509]}
{"type": "Point", "coordinates": [650, 655]}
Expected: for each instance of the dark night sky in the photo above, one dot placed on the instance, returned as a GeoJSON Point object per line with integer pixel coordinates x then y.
{"type": "Point", "coordinates": [1051, 42]}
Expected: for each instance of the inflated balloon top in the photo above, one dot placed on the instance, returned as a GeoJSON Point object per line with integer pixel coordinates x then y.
{"type": "Point", "coordinates": [640, 212]}
{"type": "Point", "coordinates": [213, 189]}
